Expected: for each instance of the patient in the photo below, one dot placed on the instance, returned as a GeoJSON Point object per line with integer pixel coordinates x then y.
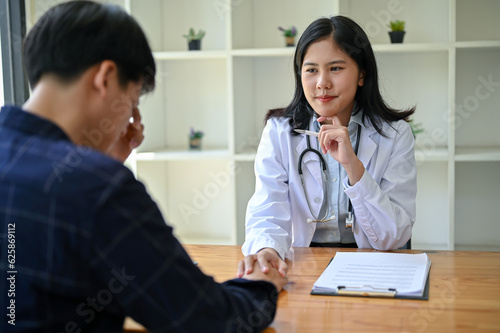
{"type": "Point", "coordinates": [90, 245]}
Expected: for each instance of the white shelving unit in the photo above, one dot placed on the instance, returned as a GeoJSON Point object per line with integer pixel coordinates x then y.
{"type": "Point", "coordinates": [448, 65]}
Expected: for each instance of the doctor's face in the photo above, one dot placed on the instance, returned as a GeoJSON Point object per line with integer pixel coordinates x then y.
{"type": "Point", "coordinates": [330, 79]}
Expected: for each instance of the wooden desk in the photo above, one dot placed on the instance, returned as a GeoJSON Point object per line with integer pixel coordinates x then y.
{"type": "Point", "coordinates": [464, 295]}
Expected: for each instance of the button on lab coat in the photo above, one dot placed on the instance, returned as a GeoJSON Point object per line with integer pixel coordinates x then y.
{"type": "Point", "coordinates": [383, 200]}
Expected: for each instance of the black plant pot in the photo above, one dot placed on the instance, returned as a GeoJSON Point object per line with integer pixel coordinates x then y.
{"type": "Point", "coordinates": [194, 45]}
{"type": "Point", "coordinates": [396, 36]}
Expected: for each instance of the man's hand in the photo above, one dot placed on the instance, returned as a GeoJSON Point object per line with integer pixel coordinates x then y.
{"type": "Point", "coordinates": [130, 140]}
{"type": "Point", "coordinates": [271, 275]}
{"type": "Point", "coordinates": [267, 260]}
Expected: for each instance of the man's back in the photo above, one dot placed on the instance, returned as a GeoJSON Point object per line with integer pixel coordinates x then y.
{"type": "Point", "coordinates": [50, 191]}
{"type": "Point", "coordinates": [91, 246]}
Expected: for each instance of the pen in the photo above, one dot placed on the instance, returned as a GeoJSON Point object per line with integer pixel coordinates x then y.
{"type": "Point", "coordinates": [301, 131]}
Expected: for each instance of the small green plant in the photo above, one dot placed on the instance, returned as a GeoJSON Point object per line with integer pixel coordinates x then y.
{"type": "Point", "coordinates": [397, 25]}
{"type": "Point", "coordinates": [192, 35]}
{"type": "Point", "coordinates": [416, 128]}
{"type": "Point", "coordinates": [195, 134]}
{"type": "Point", "coordinates": [290, 32]}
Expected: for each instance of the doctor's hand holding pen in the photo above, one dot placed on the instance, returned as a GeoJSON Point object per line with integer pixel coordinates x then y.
{"type": "Point", "coordinates": [269, 263]}
{"type": "Point", "coordinates": [334, 139]}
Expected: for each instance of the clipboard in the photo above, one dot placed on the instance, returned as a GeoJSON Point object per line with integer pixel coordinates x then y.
{"type": "Point", "coordinates": [376, 293]}
{"type": "Point", "coordinates": [338, 271]}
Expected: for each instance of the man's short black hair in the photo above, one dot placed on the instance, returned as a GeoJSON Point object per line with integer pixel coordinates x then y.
{"type": "Point", "coordinates": [71, 37]}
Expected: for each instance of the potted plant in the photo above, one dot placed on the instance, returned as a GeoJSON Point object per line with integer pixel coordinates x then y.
{"type": "Point", "coordinates": [195, 139]}
{"type": "Point", "coordinates": [397, 31]}
{"type": "Point", "coordinates": [289, 34]}
{"type": "Point", "coordinates": [194, 39]}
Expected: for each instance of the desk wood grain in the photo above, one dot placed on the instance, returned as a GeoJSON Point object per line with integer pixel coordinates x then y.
{"type": "Point", "coordinates": [464, 294]}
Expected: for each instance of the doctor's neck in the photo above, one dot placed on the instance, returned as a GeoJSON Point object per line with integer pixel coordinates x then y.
{"type": "Point", "coordinates": [344, 119]}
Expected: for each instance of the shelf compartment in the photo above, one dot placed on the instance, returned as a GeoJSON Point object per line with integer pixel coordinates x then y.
{"type": "Point", "coordinates": [255, 23]}
{"type": "Point", "coordinates": [477, 98]}
{"type": "Point", "coordinates": [245, 188]}
{"type": "Point", "coordinates": [166, 21]}
{"type": "Point", "coordinates": [186, 200]}
{"type": "Point", "coordinates": [426, 88]}
{"type": "Point", "coordinates": [432, 206]}
{"type": "Point", "coordinates": [374, 16]}
{"type": "Point", "coordinates": [477, 20]}
{"type": "Point", "coordinates": [255, 92]}
{"type": "Point", "coordinates": [189, 93]}
{"type": "Point", "coordinates": [476, 204]}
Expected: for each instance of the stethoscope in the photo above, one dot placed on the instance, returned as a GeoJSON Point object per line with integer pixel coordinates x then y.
{"type": "Point", "coordinates": [325, 181]}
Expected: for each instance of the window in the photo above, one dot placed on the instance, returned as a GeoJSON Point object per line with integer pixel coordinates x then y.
{"type": "Point", "coordinates": [14, 90]}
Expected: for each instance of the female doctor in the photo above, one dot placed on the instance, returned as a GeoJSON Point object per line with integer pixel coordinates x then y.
{"type": "Point", "coordinates": [352, 185]}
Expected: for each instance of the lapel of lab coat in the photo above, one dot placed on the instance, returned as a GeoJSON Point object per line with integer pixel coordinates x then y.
{"type": "Point", "coordinates": [366, 146]}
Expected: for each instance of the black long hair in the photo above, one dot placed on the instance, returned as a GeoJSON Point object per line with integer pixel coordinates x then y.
{"type": "Point", "coordinates": [351, 38]}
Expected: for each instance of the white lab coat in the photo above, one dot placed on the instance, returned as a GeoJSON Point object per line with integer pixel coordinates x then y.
{"type": "Point", "coordinates": [383, 200]}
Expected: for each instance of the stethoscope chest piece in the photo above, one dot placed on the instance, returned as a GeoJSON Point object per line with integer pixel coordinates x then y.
{"type": "Point", "coordinates": [349, 221]}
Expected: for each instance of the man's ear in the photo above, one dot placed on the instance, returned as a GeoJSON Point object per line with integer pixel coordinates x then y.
{"type": "Point", "coordinates": [106, 72]}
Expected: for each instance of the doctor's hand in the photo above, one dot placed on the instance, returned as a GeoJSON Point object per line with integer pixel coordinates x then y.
{"type": "Point", "coordinates": [267, 261]}
{"type": "Point", "coordinates": [334, 139]}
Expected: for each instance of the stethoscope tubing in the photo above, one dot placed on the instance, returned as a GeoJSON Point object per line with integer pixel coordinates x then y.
{"type": "Point", "coordinates": [324, 176]}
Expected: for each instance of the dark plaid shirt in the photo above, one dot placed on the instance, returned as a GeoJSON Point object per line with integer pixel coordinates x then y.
{"type": "Point", "coordinates": [83, 245]}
